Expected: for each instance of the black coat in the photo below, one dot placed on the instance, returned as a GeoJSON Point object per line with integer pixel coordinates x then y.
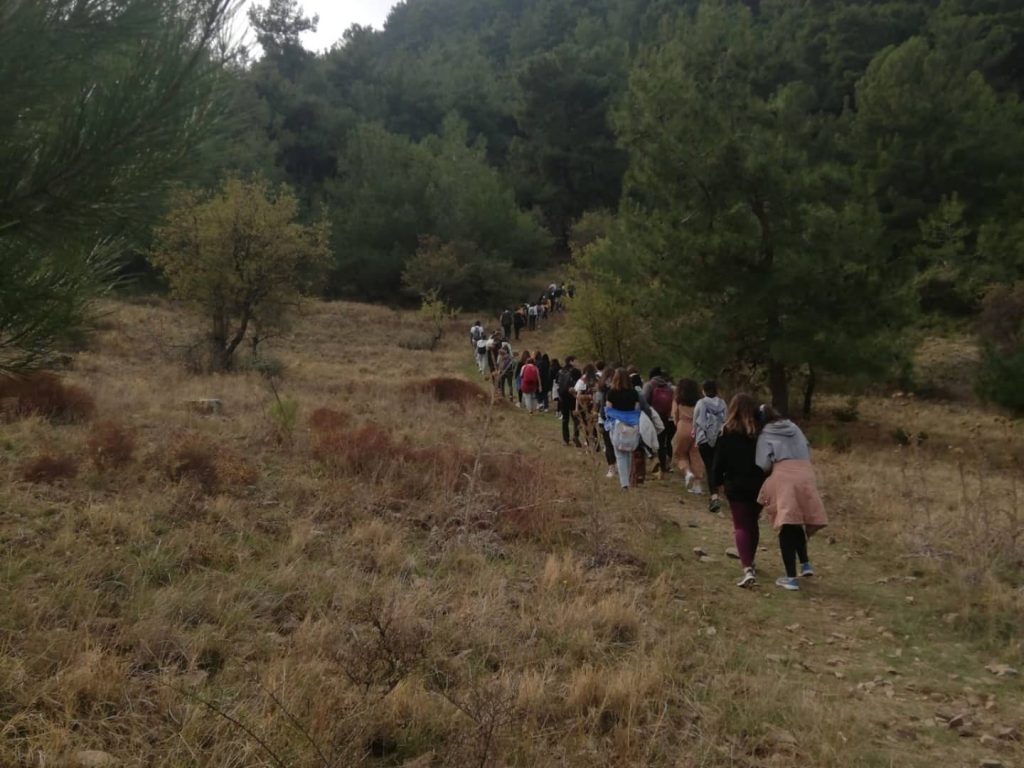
{"type": "Point", "coordinates": [735, 468]}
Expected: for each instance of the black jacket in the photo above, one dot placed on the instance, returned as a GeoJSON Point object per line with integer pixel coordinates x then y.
{"type": "Point", "coordinates": [735, 468]}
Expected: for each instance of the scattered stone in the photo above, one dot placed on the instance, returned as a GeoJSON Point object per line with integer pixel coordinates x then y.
{"type": "Point", "coordinates": [1002, 670]}
{"type": "Point", "coordinates": [950, 618]}
{"type": "Point", "coordinates": [700, 552]}
{"type": "Point", "coordinates": [910, 599]}
{"type": "Point", "coordinates": [988, 740]}
{"type": "Point", "coordinates": [709, 631]}
{"type": "Point", "coordinates": [708, 559]}
{"type": "Point", "coordinates": [733, 553]}
{"type": "Point", "coordinates": [956, 721]}
{"type": "Point", "coordinates": [93, 758]}
{"type": "Point", "coordinates": [207, 406]}
{"type": "Point", "coordinates": [991, 763]}
{"type": "Point", "coordinates": [838, 675]}
{"type": "Point", "coordinates": [775, 657]}
{"type": "Point", "coordinates": [693, 524]}
{"type": "Point", "coordinates": [1008, 734]}
{"type": "Point", "coordinates": [892, 671]}
{"type": "Point", "coordinates": [781, 737]}
{"type": "Point", "coordinates": [792, 627]}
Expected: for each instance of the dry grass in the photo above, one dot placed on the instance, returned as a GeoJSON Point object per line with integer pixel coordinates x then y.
{"type": "Point", "coordinates": [45, 395]}
{"type": "Point", "coordinates": [413, 581]}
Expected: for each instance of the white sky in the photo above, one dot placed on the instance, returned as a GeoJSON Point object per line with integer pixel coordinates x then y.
{"type": "Point", "coordinates": [335, 17]}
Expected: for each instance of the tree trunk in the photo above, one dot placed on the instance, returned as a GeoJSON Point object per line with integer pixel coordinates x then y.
{"type": "Point", "coordinates": [812, 382]}
{"type": "Point", "coordinates": [218, 340]}
{"type": "Point", "coordinates": [778, 380]}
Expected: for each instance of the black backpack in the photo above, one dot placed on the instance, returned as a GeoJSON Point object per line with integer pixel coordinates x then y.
{"type": "Point", "coordinates": [506, 318]}
{"type": "Point", "coordinates": [565, 382]}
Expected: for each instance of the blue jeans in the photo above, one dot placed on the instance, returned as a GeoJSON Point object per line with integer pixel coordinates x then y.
{"type": "Point", "coordinates": [624, 463]}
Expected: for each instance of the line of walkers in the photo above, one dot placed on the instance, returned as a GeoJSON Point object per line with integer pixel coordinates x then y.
{"type": "Point", "coordinates": [760, 459]}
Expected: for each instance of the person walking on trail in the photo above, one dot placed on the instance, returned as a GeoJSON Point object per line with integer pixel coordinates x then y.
{"type": "Point", "coordinates": [476, 333]}
{"type": "Point", "coordinates": [708, 418]}
{"type": "Point", "coordinates": [584, 391]}
{"type": "Point", "coordinates": [519, 321]}
{"type": "Point", "coordinates": [543, 363]}
{"type": "Point", "coordinates": [684, 447]}
{"type": "Point", "coordinates": [604, 384]}
{"type": "Point", "coordinates": [529, 385]}
{"type": "Point", "coordinates": [556, 369]}
{"type": "Point", "coordinates": [567, 379]}
{"type": "Point", "coordinates": [622, 421]}
{"type": "Point", "coordinates": [533, 313]}
{"type": "Point", "coordinates": [520, 364]}
{"type": "Point", "coordinates": [481, 355]}
{"type": "Point", "coordinates": [790, 492]}
{"type": "Point", "coordinates": [735, 468]}
{"type": "Point", "coordinates": [506, 323]}
{"type": "Point", "coordinates": [506, 367]}
{"type": "Point", "coordinates": [660, 394]}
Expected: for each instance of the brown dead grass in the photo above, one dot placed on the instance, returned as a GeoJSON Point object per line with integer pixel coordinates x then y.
{"type": "Point", "coordinates": [470, 592]}
{"type": "Point", "coordinates": [110, 445]}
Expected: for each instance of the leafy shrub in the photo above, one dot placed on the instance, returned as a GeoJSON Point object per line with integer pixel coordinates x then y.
{"type": "Point", "coordinates": [46, 395]}
{"type": "Point", "coordinates": [418, 342]}
{"type": "Point", "coordinates": [284, 414]}
{"type": "Point", "coordinates": [1000, 377]}
{"type": "Point", "coordinates": [445, 389]}
{"type": "Point", "coordinates": [48, 469]}
{"type": "Point", "coordinates": [110, 445]}
{"type": "Point", "coordinates": [836, 440]}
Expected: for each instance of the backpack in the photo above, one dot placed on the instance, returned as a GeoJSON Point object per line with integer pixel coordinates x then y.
{"type": "Point", "coordinates": [661, 401]}
{"type": "Point", "coordinates": [506, 318]}
{"type": "Point", "coordinates": [624, 437]}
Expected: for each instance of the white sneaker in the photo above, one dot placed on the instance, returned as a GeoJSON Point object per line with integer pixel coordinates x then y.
{"type": "Point", "coordinates": [696, 490]}
{"type": "Point", "coordinates": [749, 579]}
{"type": "Point", "coordinates": [688, 479]}
{"type": "Point", "coordinates": [611, 472]}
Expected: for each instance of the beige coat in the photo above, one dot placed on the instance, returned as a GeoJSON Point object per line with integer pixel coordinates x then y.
{"type": "Point", "coordinates": [790, 496]}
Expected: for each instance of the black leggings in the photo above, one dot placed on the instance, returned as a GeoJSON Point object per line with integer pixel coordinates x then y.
{"type": "Point", "coordinates": [567, 407]}
{"type": "Point", "coordinates": [793, 543]}
{"type": "Point", "coordinates": [707, 455]}
{"type": "Point", "coordinates": [609, 449]}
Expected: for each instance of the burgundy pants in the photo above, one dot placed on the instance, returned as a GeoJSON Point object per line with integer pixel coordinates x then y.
{"type": "Point", "coordinates": [745, 516]}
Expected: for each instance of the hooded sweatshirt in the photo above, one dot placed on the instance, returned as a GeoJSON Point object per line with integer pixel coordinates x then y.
{"type": "Point", "coordinates": [779, 441]}
{"type": "Point", "coordinates": [708, 418]}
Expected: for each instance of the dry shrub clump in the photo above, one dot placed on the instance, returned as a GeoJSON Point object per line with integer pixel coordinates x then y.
{"type": "Point", "coordinates": [110, 445]}
{"type": "Point", "coordinates": [324, 420]}
{"type": "Point", "coordinates": [193, 457]}
{"type": "Point", "coordinates": [46, 395]}
{"type": "Point", "coordinates": [49, 469]}
{"type": "Point", "coordinates": [365, 451]}
{"type": "Point", "coordinates": [446, 389]}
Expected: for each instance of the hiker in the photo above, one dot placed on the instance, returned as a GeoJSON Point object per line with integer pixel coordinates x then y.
{"type": "Point", "coordinates": [584, 391]}
{"type": "Point", "coordinates": [600, 403]}
{"type": "Point", "coordinates": [708, 418]}
{"type": "Point", "coordinates": [520, 364]}
{"type": "Point", "coordinates": [475, 334]}
{"type": "Point", "coordinates": [622, 420]}
{"type": "Point", "coordinates": [567, 379]}
{"type": "Point", "coordinates": [660, 395]}
{"type": "Point", "coordinates": [481, 355]}
{"type": "Point", "coordinates": [506, 371]}
{"type": "Point", "coordinates": [544, 368]}
{"type": "Point", "coordinates": [532, 314]}
{"type": "Point", "coordinates": [736, 469]}
{"type": "Point", "coordinates": [684, 448]}
{"type": "Point", "coordinates": [506, 323]}
{"type": "Point", "coordinates": [519, 321]}
{"type": "Point", "coordinates": [556, 368]}
{"type": "Point", "coordinates": [529, 385]}
{"type": "Point", "coordinates": [790, 492]}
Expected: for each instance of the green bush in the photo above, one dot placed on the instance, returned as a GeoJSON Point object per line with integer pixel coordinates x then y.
{"type": "Point", "coordinates": [1000, 377]}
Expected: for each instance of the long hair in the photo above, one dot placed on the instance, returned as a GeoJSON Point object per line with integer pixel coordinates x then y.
{"type": "Point", "coordinates": [687, 392]}
{"type": "Point", "coordinates": [768, 414]}
{"type": "Point", "coordinates": [741, 418]}
{"type": "Point", "coordinates": [620, 381]}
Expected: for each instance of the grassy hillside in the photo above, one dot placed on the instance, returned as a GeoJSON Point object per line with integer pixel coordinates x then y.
{"type": "Point", "coordinates": [412, 576]}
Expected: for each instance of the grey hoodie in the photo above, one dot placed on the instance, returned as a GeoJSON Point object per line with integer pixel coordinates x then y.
{"type": "Point", "coordinates": [708, 418]}
{"type": "Point", "coordinates": [779, 441]}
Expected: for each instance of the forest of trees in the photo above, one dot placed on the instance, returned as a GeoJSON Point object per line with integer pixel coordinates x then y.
{"type": "Point", "coordinates": [787, 185]}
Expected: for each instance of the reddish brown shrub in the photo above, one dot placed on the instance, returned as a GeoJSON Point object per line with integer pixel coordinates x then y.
{"type": "Point", "coordinates": [46, 395]}
{"type": "Point", "coordinates": [49, 469]}
{"type": "Point", "coordinates": [328, 420]}
{"type": "Point", "coordinates": [448, 390]}
{"type": "Point", "coordinates": [367, 450]}
{"type": "Point", "coordinates": [110, 445]}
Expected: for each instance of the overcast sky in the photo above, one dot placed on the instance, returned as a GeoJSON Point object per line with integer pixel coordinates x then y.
{"type": "Point", "coordinates": [335, 17]}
